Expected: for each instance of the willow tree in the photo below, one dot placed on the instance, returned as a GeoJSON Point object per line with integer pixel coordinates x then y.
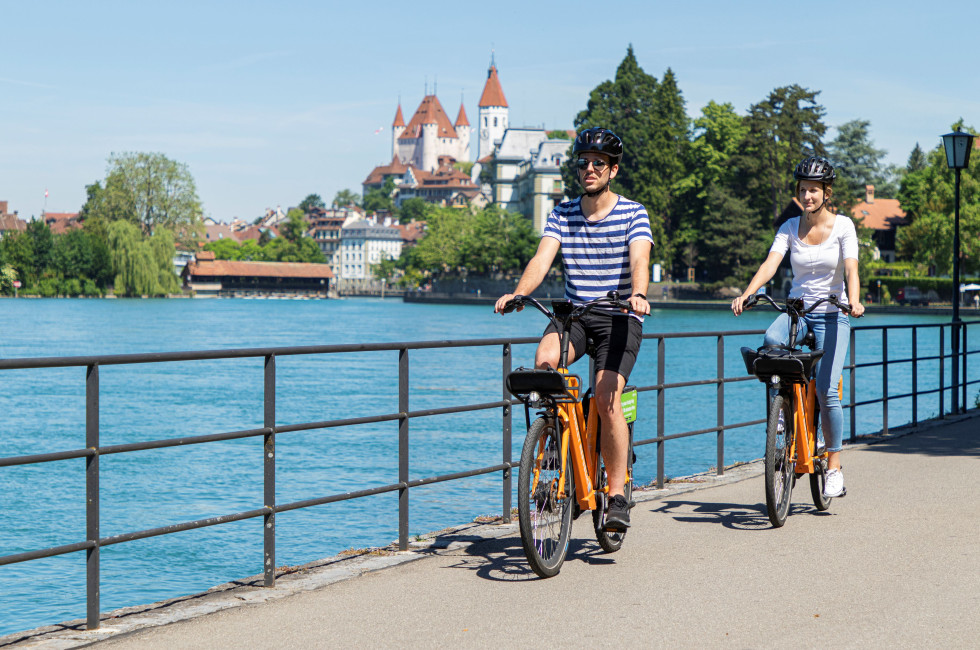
{"type": "Point", "coordinates": [142, 266]}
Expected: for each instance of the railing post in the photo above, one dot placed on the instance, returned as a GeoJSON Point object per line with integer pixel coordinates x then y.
{"type": "Point", "coordinates": [507, 435]}
{"type": "Point", "coordinates": [269, 470]}
{"type": "Point", "coordinates": [884, 381]}
{"type": "Point", "coordinates": [720, 405]}
{"type": "Point", "coordinates": [403, 449]}
{"type": "Point", "coordinates": [915, 376]}
{"type": "Point", "coordinates": [661, 380]}
{"type": "Point", "coordinates": [852, 382]}
{"type": "Point", "coordinates": [963, 375]}
{"type": "Point", "coordinates": [942, 372]}
{"type": "Point", "coordinates": [92, 572]}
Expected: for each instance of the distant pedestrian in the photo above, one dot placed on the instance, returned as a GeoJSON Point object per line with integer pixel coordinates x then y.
{"type": "Point", "coordinates": [823, 249]}
{"type": "Point", "coordinates": [976, 300]}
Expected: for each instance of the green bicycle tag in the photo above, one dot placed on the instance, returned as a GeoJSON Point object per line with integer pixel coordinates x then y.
{"type": "Point", "coordinates": [629, 405]}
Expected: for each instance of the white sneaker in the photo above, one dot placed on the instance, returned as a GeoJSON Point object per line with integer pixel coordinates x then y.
{"type": "Point", "coordinates": [834, 484]}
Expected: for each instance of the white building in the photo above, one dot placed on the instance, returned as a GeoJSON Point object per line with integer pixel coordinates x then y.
{"type": "Point", "coordinates": [363, 245]}
{"type": "Point", "coordinates": [429, 135]}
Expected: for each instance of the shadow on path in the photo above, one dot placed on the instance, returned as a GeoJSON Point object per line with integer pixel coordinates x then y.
{"type": "Point", "coordinates": [736, 516]}
{"type": "Point", "coordinates": [503, 559]}
{"type": "Point", "coordinates": [959, 436]}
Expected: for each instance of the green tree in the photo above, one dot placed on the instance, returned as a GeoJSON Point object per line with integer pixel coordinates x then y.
{"type": "Point", "coordinates": [917, 160]}
{"type": "Point", "coordinates": [414, 209]}
{"type": "Point", "coordinates": [717, 135]}
{"type": "Point", "coordinates": [224, 249]}
{"type": "Point", "coordinates": [42, 244]}
{"type": "Point", "coordinates": [80, 255]}
{"type": "Point", "coordinates": [558, 134]}
{"type": "Point", "coordinates": [649, 116]}
{"type": "Point", "coordinates": [142, 266]}
{"type": "Point", "coordinates": [782, 129]}
{"type": "Point", "coordinates": [380, 197]}
{"type": "Point", "coordinates": [150, 190]}
{"type": "Point", "coordinates": [18, 253]}
{"type": "Point", "coordinates": [858, 163]}
{"type": "Point", "coordinates": [295, 225]}
{"type": "Point", "coordinates": [345, 198]}
{"type": "Point", "coordinates": [311, 201]}
{"type": "Point", "coordinates": [928, 197]}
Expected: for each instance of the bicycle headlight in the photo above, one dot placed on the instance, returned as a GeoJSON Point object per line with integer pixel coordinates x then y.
{"type": "Point", "coordinates": [774, 380]}
{"type": "Point", "coordinates": [534, 398]}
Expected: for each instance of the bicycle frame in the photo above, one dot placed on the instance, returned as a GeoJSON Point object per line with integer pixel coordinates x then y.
{"type": "Point", "coordinates": [577, 431]}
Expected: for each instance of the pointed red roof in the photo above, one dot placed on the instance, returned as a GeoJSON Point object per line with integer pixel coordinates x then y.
{"type": "Point", "coordinates": [429, 112]}
{"type": "Point", "coordinates": [461, 118]}
{"type": "Point", "coordinates": [493, 94]}
{"type": "Point", "coordinates": [399, 120]}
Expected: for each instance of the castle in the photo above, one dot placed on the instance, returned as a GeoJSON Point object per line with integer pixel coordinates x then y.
{"type": "Point", "coordinates": [429, 135]}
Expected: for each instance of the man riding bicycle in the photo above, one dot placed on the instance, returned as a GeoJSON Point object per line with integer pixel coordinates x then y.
{"type": "Point", "coordinates": [605, 241]}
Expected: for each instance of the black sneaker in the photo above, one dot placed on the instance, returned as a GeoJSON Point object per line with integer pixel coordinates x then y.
{"type": "Point", "coordinates": [618, 513]}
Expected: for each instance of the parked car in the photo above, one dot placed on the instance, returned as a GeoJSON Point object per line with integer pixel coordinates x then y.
{"type": "Point", "coordinates": [911, 296]}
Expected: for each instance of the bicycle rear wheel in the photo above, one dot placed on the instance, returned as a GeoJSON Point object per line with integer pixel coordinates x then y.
{"type": "Point", "coordinates": [780, 466]}
{"type": "Point", "coordinates": [611, 540]}
{"type": "Point", "coordinates": [545, 519]}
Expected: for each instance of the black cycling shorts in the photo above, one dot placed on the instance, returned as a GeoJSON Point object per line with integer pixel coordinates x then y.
{"type": "Point", "coordinates": [617, 339]}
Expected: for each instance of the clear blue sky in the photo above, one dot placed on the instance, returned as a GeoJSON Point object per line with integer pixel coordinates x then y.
{"type": "Point", "coordinates": [267, 102]}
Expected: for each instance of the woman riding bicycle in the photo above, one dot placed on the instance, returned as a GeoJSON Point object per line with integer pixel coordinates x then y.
{"type": "Point", "coordinates": [823, 250]}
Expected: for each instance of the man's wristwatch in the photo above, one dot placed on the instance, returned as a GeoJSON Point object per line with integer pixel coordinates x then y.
{"type": "Point", "coordinates": [639, 295]}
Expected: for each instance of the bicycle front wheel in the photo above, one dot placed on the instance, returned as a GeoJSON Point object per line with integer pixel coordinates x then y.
{"type": "Point", "coordinates": [780, 466]}
{"type": "Point", "coordinates": [545, 518]}
{"type": "Point", "coordinates": [819, 477]}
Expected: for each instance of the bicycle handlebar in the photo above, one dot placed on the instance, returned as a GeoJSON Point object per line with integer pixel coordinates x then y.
{"type": "Point", "coordinates": [795, 305]}
{"type": "Point", "coordinates": [612, 299]}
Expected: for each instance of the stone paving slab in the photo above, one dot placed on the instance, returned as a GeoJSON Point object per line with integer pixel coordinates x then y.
{"type": "Point", "coordinates": [896, 561]}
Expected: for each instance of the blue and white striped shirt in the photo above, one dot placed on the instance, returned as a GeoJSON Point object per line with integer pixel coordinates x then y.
{"type": "Point", "coordinates": [596, 254]}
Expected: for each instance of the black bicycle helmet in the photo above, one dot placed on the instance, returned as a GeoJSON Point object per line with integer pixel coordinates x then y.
{"type": "Point", "coordinates": [815, 168]}
{"type": "Point", "coordinates": [599, 140]}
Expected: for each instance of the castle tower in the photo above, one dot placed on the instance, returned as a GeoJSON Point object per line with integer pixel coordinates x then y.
{"type": "Point", "coordinates": [397, 128]}
{"type": "Point", "coordinates": [430, 145]}
{"type": "Point", "coordinates": [462, 127]}
{"type": "Point", "coordinates": [493, 113]}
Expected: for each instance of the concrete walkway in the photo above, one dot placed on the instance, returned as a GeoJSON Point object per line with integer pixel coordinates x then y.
{"type": "Point", "coordinates": [895, 563]}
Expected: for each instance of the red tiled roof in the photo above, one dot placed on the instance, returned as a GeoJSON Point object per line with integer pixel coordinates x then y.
{"type": "Point", "coordinates": [411, 232]}
{"type": "Point", "coordinates": [61, 222]}
{"type": "Point", "coordinates": [493, 94]}
{"type": "Point", "coordinates": [12, 222]}
{"type": "Point", "coordinates": [881, 214]}
{"type": "Point", "coordinates": [228, 268]}
{"type": "Point", "coordinates": [461, 118]}
{"type": "Point", "coordinates": [399, 120]}
{"type": "Point", "coordinates": [377, 175]}
{"type": "Point", "coordinates": [429, 112]}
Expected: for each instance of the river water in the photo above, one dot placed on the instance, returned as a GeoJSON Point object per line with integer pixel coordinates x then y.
{"type": "Point", "coordinates": [43, 411]}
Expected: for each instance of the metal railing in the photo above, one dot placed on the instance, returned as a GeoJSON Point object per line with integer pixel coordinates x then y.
{"type": "Point", "coordinates": [94, 450]}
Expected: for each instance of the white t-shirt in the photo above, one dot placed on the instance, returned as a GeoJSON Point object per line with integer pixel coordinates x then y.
{"type": "Point", "coordinates": [818, 270]}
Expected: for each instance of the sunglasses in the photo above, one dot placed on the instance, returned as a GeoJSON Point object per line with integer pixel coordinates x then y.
{"type": "Point", "coordinates": [597, 165]}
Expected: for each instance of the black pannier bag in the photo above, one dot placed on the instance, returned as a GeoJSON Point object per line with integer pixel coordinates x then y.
{"type": "Point", "coordinates": [791, 365]}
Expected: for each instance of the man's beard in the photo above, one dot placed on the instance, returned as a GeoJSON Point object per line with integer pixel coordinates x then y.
{"type": "Point", "coordinates": [596, 193]}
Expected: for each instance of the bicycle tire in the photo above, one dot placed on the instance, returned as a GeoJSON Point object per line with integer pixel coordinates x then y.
{"type": "Point", "coordinates": [545, 521]}
{"type": "Point", "coordinates": [610, 540]}
{"type": "Point", "coordinates": [819, 477]}
{"type": "Point", "coordinates": [780, 466]}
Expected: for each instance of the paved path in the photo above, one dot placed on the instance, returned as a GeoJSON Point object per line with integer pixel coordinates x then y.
{"type": "Point", "coordinates": [895, 563]}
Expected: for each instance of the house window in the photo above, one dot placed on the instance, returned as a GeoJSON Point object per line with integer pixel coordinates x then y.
{"type": "Point", "coordinates": [495, 121]}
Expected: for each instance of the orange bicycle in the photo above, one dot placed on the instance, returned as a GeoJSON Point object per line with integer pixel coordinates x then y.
{"type": "Point", "coordinates": [793, 414]}
{"type": "Point", "coordinates": [561, 470]}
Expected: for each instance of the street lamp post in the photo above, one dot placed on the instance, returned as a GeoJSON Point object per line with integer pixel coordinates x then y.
{"type": "Point", "coordinates": [958, 146]}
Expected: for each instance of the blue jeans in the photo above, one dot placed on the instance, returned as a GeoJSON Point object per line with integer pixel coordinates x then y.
{"type": "Point", "coordinates": [832, 331]}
